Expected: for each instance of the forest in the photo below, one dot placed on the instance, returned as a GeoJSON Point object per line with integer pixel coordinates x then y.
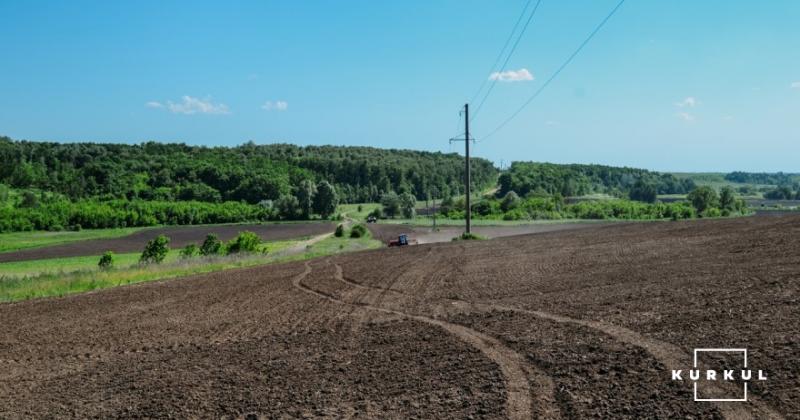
{"type": "Point", "coordinates": [577, 180]}
{"type": "Point", "coordinates": [250, 173]}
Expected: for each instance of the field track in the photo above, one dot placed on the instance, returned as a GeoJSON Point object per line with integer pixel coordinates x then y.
{"type": "Point", "coordinates": [582, 323]}
{"type": "Point", "coordinates": [180, 236]}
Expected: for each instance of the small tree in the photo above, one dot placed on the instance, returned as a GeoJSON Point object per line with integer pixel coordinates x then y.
{"type": "Point", "coordinates": [703, 198]}
{"type": "Point", "coordinates": [391, 204]}
{"type": "Point", "coordinates": [305, 197]}
{"type": "Point", "coordinates": [358, 231]}
{"type": "Point", "coordinates": [155, 251]}
{"type": "Point", "coordinates": [727, 200]}
{"type": "Point", "coordinates": [326, 200]}
{"type": "Point", "coordinates": [245, 242]}
{"type": "Point", "coordinates": [106, 261]}
{"type": "Point", "coordinates": [211, 246]}
{"type": "Point", "coordinates": [510, 201]}
{"type": "Point", "coordinates": [288, 207]}
{"type": "Point", "coordinates": [643, 191]}
{"type": "Point", "coordinates": [339, 231]}
{"type": "Point", "coordinates": [190, 251]}
{"type": "Point", "coordinates": [408, 204]}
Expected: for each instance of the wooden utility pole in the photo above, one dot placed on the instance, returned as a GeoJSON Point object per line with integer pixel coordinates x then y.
{"type": "Point", "coordinates": [466, 175]}
{"type": "Point", "coordinates": [467, 179]}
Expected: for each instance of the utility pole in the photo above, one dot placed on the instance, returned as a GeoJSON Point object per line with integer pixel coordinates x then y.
{"type": "Point", "coordinates": [467, 179]}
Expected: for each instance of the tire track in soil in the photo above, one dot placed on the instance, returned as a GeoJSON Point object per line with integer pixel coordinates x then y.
{"type": "Point", "coordinates": [669, 355]}
{"type": "Point", "coordinates": [518, 403]}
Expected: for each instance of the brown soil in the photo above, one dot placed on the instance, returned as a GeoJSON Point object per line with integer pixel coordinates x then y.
{"type": "Point", "coordinates": [426, 235]}
{"type": "Point", "coordinates": [179, 236]}
{"type": "Point", "coordinates": [573, 324]}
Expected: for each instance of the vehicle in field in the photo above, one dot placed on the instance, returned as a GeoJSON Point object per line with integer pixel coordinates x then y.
{"type": "Point", "coordinates": [372, 219]}
{"type": "Point", "coordinates": [401, 240]}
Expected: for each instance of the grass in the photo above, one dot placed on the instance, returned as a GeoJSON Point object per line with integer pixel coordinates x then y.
{"type": "Point", "coordinates": [15, 288]}
{"type": "Point", "coordinates": [351, 210]}
{"type": "Point", "coordinates": [16, 241]}
{"type": "Point", "coordinates": [69, 265]}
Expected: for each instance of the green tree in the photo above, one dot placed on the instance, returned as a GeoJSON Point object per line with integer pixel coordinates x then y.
{"type": "Point", "coordinates": [155, 251]}
{"type": "Point", "coordinates": [358, 231]}
{"type": "Point", "coordinates": [326, 200]}
{"type": "Point", "coordinates": [643, 191]}
{"type": "Point", "coordinates": [305, 197]}
{"type": "Point", "coordinates": [211, 245]}
{"type": "Point", "coordinates": [727, 199]}
{"type": "Point", "coordinates": [510, 201]}
{"type": "Point", "coordinates": [408, 204]}
{"type": "Point", "coordinates": [703, 198]}
{"type": "Point", "coordinates": [245, 242]}
{"type": "Point", "coordinates": [190, 251]}
{"type": "Point", "coordinates": [339, 231]}
{"type": "Point", "coordinates": [106, 261]}
{"type": "Point", "coordinates": [391, 204]}
{"type": "Point", "coordinates": [288, 207]}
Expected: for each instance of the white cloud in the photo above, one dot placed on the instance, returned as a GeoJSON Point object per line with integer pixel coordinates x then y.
{"type": "Point", "coordinates": [795, 85]}
{"type": "Point", "coordinates": [685, 116]}
{"type": "Point", "coordinates": [275, 106]}
{"type": "Point", "coordinates": [190, 105]}
{"type": "Point", "coordinates": [689, 102]}
{"type": "Point", "coordinates": [521, 75]}
{"type": "Point", "coordinates": [552, 123]}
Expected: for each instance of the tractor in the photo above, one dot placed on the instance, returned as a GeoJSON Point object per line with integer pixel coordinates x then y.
{"type": "Point", "coordinates": [401, 240]}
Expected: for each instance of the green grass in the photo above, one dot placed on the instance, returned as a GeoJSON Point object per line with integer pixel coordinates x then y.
{"type": "Point", "coordinates": [15, 288]}
{"type": "Point", "coordinates": [16, 241]}
{"type": "Point", "coordinates": [351, 210]}
{"type": "Point", "coordinates": [87, 263]}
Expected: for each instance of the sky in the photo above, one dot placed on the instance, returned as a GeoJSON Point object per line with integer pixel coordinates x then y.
{"type": "Point", "coordinates": [665, 85]}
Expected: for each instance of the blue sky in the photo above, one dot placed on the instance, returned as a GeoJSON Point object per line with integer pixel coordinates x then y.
{"type": "Point", "coordinates": [666, 85]}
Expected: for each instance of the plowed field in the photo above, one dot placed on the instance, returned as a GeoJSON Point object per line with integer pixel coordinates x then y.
{"type": "Point", "coordinates": [583, 323]}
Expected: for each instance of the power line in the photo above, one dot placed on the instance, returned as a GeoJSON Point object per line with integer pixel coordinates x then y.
{"type": "Point", "coordinates": [557, 72]}
{"type": "Point", "coordinates": [508, 57]}
{"type": "Point", "coordinates": [502, 51]}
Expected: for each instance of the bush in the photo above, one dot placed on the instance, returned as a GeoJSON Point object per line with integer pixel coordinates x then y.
{"type": "Point", "coordinates": [106, 261]}
{"type": "Point", "coordinates": [376, 213]}
{"type": "Point", "coordinates": [358, 231]}
{"type": "Point", "coordinates": [339, 231]}
{"type": "Point", "coordinates": [155, 251]}
{"type": "Point", "coordinates": [469, 237]}
{"type": "Point", "coordinates": [211, 245]}
{"type": "Point", "coordinates": [703, 198]}
{"type": "Point", "coordinates": [246, 242]}
{"type": "Point", "coordinates": [190, 251]}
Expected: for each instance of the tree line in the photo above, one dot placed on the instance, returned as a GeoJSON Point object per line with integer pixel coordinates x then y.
{"type": "Point", "coordinates": [577, 180]}
{"type": "Point", "coordinates": [249, 172]}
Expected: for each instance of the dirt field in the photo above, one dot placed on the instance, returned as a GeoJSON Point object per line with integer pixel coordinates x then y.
{"type": "Point", "coordinates": [179, 236]}
{"type": "Point", "coordinates": [582, 323]}
{"type": "Point", "coordinates": [426, 235]}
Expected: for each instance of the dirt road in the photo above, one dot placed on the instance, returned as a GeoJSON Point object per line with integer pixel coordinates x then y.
{"type": "Point", "coordinates": [582, 323]}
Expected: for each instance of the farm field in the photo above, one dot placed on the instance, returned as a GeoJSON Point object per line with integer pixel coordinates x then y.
{"type": "Point", "coordinates": [180, 236]}
{"type": "Point", "coordinates": [578, 323]}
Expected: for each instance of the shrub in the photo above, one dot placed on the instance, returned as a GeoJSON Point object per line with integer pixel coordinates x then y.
{"type": "Point", "coordinates": [211, 245]}
{"type": "Point", "coordinates": [190, 251]}
{"type": "Point", "coordinates": [339, 231]}
{"type": "Point", "coordinates": [703, 198]}
{"type": "Point", "coordinates": [155, 251]}
{"type": "Point", "coordinates": [246, 242]}
{"type": "Point", "coordinates": [106, 261]}
{"type": "Point", "coordinates": [358, 231]}
{"type": "Point", "coordinates": [469, 237]}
